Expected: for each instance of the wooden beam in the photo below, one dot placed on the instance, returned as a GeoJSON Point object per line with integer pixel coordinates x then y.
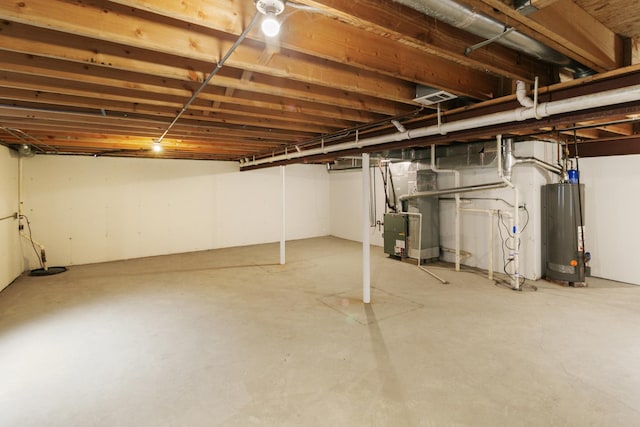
{"type": "Point", "coordinates": [110, 22]}
{"type": "Point", "coordinates": [259, 138]}
{"type": "Point", "coordinates": [340, 42]}
{"type": "Point", "coordinates": [565, 27]}
{"type": "Point", "coordinates": [624, 129]}
{"type": "Point", "coordinates": [42, 42]}
{"type": "Point", "coordinates": [76, 72]}
{"type": "Point", "coordinates": [246, 116]}
{"type": "Point", "coordinates": [608, 147]}
{"type": "Point", "coordinates": [403, 25]}
{"type": "Point", "coordinates": [97, 121]}
{"type": "Point", "coordinates": [541, 4]}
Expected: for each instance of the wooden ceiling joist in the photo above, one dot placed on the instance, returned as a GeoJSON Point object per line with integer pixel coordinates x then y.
{"type": "Point", "coordinates": [565, 27]}
{"type": "Point", "coordinates": [181, 39]}
{"type": "Point", "coordinates": [99, 73]}
{"type": "Point", "coordinates": [129, 83]}
{"type": "Point", "coordinates": [403, 25]}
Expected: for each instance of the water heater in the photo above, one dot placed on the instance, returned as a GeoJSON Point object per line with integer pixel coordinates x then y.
{"type": "Point", "coordinates": [563, 254]}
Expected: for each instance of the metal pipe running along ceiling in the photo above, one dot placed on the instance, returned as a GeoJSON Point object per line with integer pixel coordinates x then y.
{"type": "Point", "coordinates": [546, 109]}
{"type": "Point", "coordinates": [463, 17]}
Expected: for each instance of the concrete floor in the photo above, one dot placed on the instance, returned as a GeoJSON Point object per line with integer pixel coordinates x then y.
{"type": "Point", "coordinates": [228, 338]}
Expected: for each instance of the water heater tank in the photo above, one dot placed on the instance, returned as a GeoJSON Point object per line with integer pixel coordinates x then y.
{"type": "Point", "coordinates": [563, 253]}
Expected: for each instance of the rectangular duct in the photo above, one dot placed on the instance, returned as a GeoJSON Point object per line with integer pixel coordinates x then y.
{"type": "Point", "coordinates": [426, 95]}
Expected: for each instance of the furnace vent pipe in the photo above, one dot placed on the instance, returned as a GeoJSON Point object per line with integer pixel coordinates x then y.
{"type": "Point", "coordinates": [577, 103]}
{"type": "Point", "coordinates": [446, 191]}
{"type": "Point", "coordinates": [511, 160]}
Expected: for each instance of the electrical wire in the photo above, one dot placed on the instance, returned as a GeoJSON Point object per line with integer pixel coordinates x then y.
{"type": "Point", "coordinates": [33, 245]}
{"type": "Point", "coordinates": [527, 221]}
{"type": "Point", "coordinates": [211, 75]}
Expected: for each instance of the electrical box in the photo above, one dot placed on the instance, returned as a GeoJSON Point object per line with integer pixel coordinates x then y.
{"type": "Point", "coordinates": [396, 230]}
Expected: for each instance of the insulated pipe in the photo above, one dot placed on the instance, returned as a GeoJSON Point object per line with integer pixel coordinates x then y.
{"type": "Point", "coordinates": [578, 103]}
{"type": "Point", "coordinates": [457, 197]}
{"type": "Point", "coordinates": [366, 257]}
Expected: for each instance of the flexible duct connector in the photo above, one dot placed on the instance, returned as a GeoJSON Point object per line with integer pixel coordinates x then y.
{"type": "Point", "coordinates": [465, 18]}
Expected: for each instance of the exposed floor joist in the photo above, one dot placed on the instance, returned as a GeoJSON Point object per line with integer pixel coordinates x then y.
{"type": "Point", "coordinates": [125, 68]}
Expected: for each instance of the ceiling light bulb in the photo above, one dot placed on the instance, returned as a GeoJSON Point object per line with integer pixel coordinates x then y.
{"type": "Point", "coordinates": [157, 147]}
{"type": "Point", "coordinates": [270, 25]}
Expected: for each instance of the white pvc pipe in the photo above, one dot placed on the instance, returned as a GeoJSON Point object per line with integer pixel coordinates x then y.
{"type": "Point", "coordinates": [457, 197]}
{"type": "Point", "coordinates": [521, 94]}
{"type": "Point", "coordinates": [366, 257]}
{"type": "Point", "coordinates": [515, 223]}
{"type": "Point", "coordinates": [546, 109]}
{"type": "Point", "coordinates": [516, 239]}
{"type": "Point", "coordinates": [284, 222]}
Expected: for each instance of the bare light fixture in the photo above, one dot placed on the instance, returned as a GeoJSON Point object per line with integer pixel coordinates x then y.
{"type": "Point", "coordinates": [157, 147]}
{"type": "Point", "coordinates": [270, 9]}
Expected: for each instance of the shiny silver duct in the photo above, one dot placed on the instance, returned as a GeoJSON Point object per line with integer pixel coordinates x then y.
{"type": "Point", "coordinates": [465, 18]}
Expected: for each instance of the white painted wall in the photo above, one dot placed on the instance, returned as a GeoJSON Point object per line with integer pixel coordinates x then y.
{"type": "Point", "coordinates": [10, 253]}
{"type": "Point", "coordinates": [88, 210]}
{"type": "Point", "coordinates": [612, 235]}
{"type": "Point", "coordinates": [346, 205]}
{"type": "Point", "coordinates": [99, 209]}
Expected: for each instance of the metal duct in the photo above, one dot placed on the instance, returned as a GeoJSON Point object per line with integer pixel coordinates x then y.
{"type": "Point", "coordinates": [465, 18]}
